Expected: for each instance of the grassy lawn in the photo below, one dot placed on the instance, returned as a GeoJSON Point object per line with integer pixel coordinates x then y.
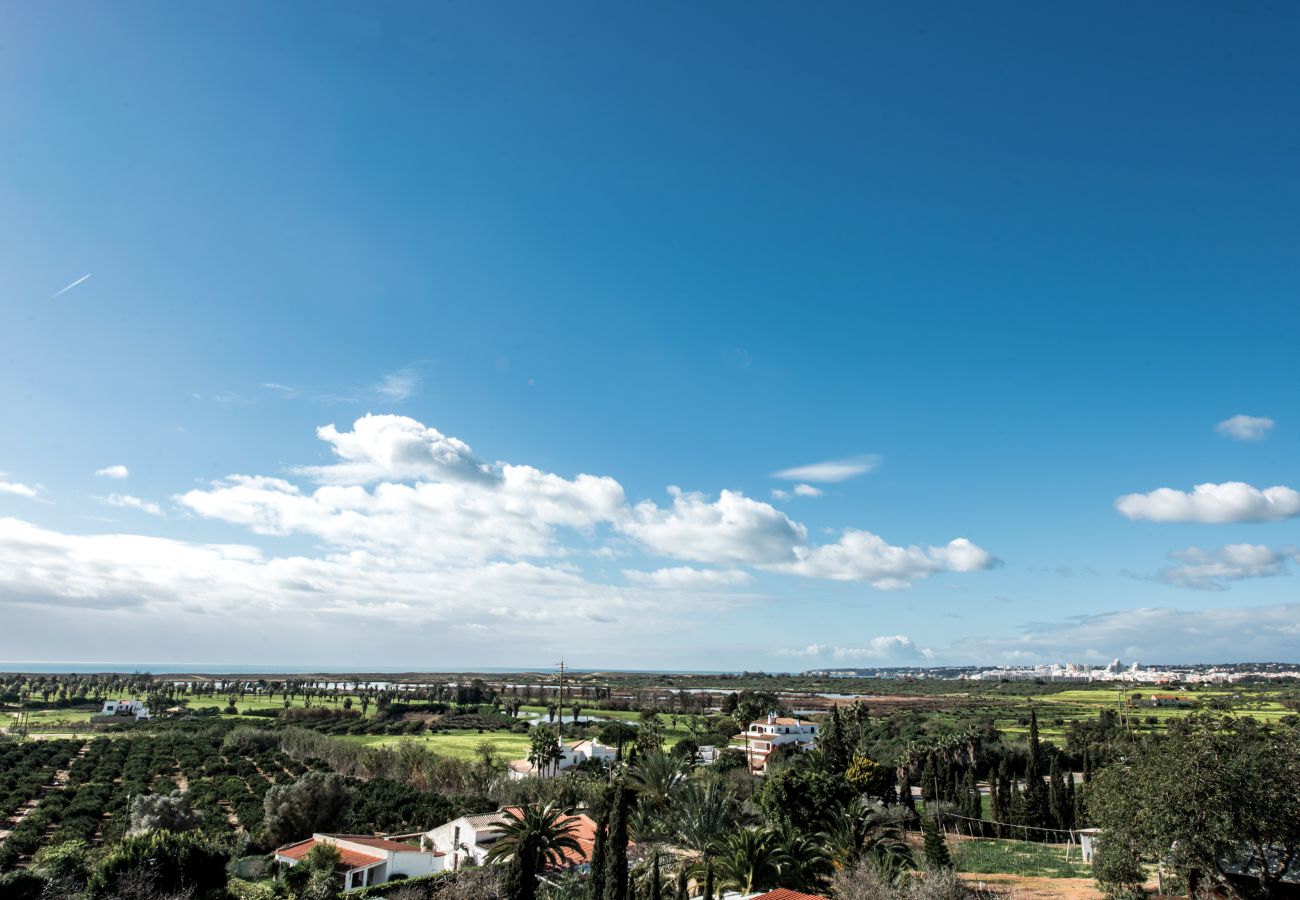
{"type": "Point", "coordinates": [986, 856]}
{"type": "Point", "coordinates": [458, 744]}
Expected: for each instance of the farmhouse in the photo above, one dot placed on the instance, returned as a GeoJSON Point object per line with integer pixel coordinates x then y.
{"type": "Point", "coordinates": [1168, 700]}
{"type": "Point", "coordinates": [468, 839]}
{"type": "Point", "coordinates": [119, 711]}
{"type": "Point", "coordinates": [573, 753]}
{"type": "Point", "coordinates": [764, 735]}
{"type": "Point", "coordinates": [365, 860]}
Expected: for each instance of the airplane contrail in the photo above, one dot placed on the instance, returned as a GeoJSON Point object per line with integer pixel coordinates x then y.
{"type": "Point", "coordinates": [71, 286]}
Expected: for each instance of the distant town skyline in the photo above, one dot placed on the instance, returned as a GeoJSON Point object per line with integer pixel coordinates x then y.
{"type": "Point", "coordinates": [655, 339]}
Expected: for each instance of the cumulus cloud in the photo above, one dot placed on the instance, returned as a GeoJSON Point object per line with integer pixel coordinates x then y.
{"type": "Point", "coordinates": [1232, 501]}
{"type": "Point", "coordinates": [395, 448]}
{"type": "Point", "coordinates": [679, 577]}
{"type": "Point", "coordinates": [1213, 570]}
{"type": "Point", "coordinates": [1160, 634]}
{"type": "Point", "coordinates": [119, 472]}
{"type": "Point", "coordinates": [18, 489]}
{"type": "Point", "coordinates": [863, 556]}
{"type": "Point", "coordinates": [126, 501]}
{"type": "Point", "coordinates": [407, 525]}
{"type": "Point", "coordinates": [1245, 428]}
{"type": "Point", "coordinates": [732, 529]}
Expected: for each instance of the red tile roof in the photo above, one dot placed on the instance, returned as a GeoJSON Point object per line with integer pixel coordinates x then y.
{"type": "Point", "coordinates": [787, 894]}
{"type": "Point", "coordinates": [377, 842]}
{"type": "Point", "coordinates": [584, 833]}
{"type": "Point", "coordinates": [350, 859]}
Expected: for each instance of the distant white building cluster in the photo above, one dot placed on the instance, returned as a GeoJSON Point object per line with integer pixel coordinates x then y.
{"type": "Point", "coordinates": [1132, 673]}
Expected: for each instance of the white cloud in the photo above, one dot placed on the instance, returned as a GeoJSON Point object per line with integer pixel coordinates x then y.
{"type": "Point", "coordinates": [1245, 428]}
{"type": "Point", "coordinates": [18, 489]}
{"type": "Point", "coordinates": [863, 556]}
{"type": "Point", "coordinates": [1232, 501]}
{"type": "Point", "coordinates": [397, 386]}
{"type": "Point", "coordinates": [732, 529]}
{"type": "Point", "coordinates": [395, 448]}
{"type": "Point", "coordinates": [682, 577]}
{"type": "Point", "coordinates": [778, 494]}
{"type": "Point", "coordinates": [831, 470]}
{"type": "Point", "coordinates": [118, 471]}
{"type": "Point", "coordinates": [1212, 570]}
{"type": "Point", "coordinates": [126, 501]}
{"type": "Point", "coordinates": [891, 648]}
{"type": "Point", "coordinates": [806, 490]}
{"type": "Point", "coordinates": [1163, 635]}
{"type": "Point", "coordinates": [812, 650]}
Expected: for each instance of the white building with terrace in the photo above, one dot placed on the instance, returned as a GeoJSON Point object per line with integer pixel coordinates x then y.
{"type": "Point", "coordinates": [366, 860]}
{"type": "Point", "coordinates": [765, 735]}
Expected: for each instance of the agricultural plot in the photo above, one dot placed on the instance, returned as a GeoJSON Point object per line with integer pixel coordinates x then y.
{"type": "Point", "coordinates": [91, 801]}
{"type": "Point", "coordinates": [990, 856]}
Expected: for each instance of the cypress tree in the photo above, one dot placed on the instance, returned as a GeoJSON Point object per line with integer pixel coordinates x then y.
{"type": "Point", "coordinates": [928, 779]}
{"type": "Point", "coordinates": [599, 861]}
{"type": "Point", "coordinates": [616, 869]}
{"type": "Point", "coordinates": [834, 745]}
{"type": "Point", "coordinates": [936, 851]}
{"type": "Point", "coordinates": [1070, 802]}
{"type": "Point", "coordinates": [1037, 809]}
{"type": "Point", "coordinates": [997, 799]}
{"type": "Point", "coordinates": [682, 892]}
{"type": "Point", "coordinates": [1060, 812]}
{"type": "Point", "coordinates": [972, 808]}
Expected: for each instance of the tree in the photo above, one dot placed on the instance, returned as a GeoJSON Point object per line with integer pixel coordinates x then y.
{"type": "Point", "coordinates": [682, 891]}
{"type": "Point", "coordinates": [654, 775]}
{"type": "Point", "coordinates": [599, 855]}
{"type": "Point", "coordinates": [703, 810]}
{"type": "Point", "coordinates": [803, 796]}
{"type": "Point", "coordinates": [750, 860]}
{"type": "Point", "coordinates": [616, 734]}
{"type": "Point", "coordinates": [862, 830]}
{"type": "Point", "coordinates": [834, 744]}
{"type": "Point", "coordinates": [1037, 811]}
{"type": "Point", "coordinates": [866, 776]}
{"type": "Point", "coordinates": [656, 888]}
{"type": "Point", "coordinates": [167, 812]}
{"type": "Point", "coordinates": [170, 863]}
{"type": "Point", "coordinates": [708, 880]}
{"type": "Point", "coordinates": [616, 870]}
{"type": "Point", "coordinates": [317, 801]}
{"type": "Point", "coordinates": [542, 745]}
{"type": "Point", "coordinates": [936, 850]}
{"type": "Point", "coordinates": [1216, 794]}
{"type": "Point", "coordinates": [533, 839]}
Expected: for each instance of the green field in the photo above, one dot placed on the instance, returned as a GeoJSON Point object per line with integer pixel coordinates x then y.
{"type": "Point", "coordinates": [457, 744]}
{"type": "Point", "coordinates": [987, 856]}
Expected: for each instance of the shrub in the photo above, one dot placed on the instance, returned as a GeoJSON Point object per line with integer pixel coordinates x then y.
{"type": "Point", "coordinates": [171, 862]}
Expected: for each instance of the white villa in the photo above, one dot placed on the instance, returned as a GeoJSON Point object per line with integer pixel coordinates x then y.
{"type": "Point", "coordinates": [365, 860]}
{"type": "Point", "coordinates": [765, 734]}
{"type": "Point", "coordinates": [467, 840]}
{"type": "Point", "coordinates": [575, 753]}
{"type": "Point", "coordinates": [121, 711]}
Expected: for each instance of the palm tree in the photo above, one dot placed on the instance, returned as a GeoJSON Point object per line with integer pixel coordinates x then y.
{"type": "Point", "coordinates": [804, 862]}
{"type": "Point", "coordinates": [703, 810]}
{"type": "Point", "coordinates": [750, 860]}
{"type": "Point", "coordinates": [654, 775]}
{"type": "Point", "coordinates": [534, 839]}
{"type": "Point", "coordinates": [863, 830]}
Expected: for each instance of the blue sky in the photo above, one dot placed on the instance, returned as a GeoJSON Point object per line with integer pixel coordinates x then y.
{"type": "Point", "coordinates": [1024, 258]}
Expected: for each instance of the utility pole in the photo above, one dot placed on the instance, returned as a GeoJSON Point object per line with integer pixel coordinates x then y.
{"type": "Point", "coordinates": [560, 717]}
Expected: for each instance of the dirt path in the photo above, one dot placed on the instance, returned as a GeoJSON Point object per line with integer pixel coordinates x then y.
{"type": "Point", "coordinates": [1024, 887]}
